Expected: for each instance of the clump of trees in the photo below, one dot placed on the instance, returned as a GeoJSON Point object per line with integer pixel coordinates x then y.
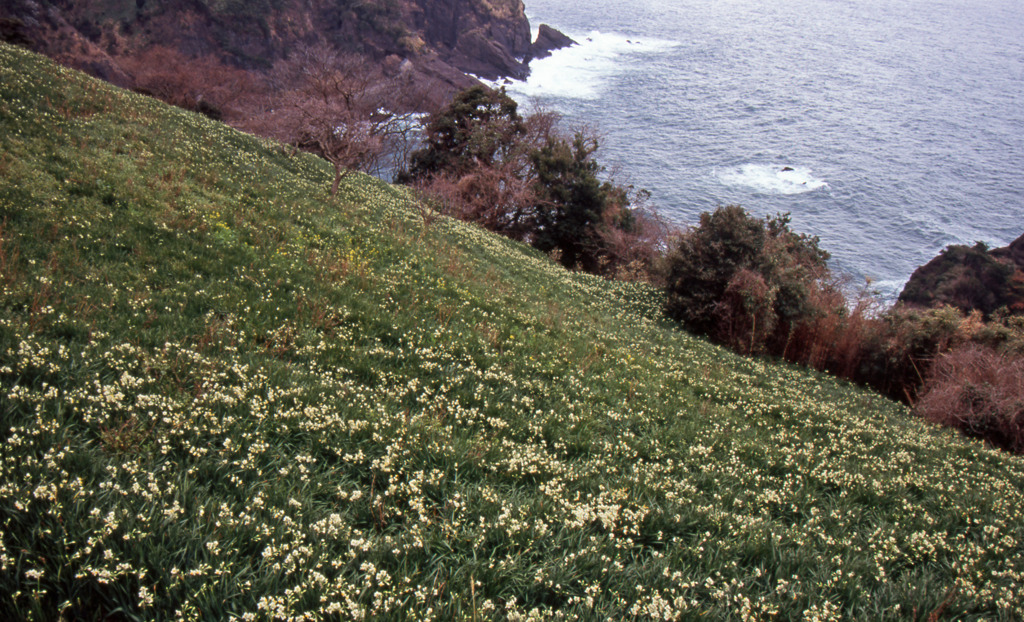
{"type": "Point", "coordinates": [524, 178]}
{"type": "Point", "coordinates": [748, 282]}
{"type": "Point", "coordinates": [475, 161]}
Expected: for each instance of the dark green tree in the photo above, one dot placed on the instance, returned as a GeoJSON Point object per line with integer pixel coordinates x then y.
{"type": "Point", "coordinates": [480, 127]}
{"type": "Point", "coordinates": [706, 259]}
{"type": "Point", "coordinates": [744, 280]}
{"type": "Point", "coordinates": [795, 264]}
{"type": "Point", "coordinates": [572, 200]}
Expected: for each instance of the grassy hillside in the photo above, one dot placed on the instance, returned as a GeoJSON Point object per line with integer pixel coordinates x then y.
{"type": "Point", "coordinates": [224, 394]}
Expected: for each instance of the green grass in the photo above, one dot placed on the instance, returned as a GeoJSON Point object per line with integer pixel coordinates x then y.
{"type": "Point", "coordinates": [224, 394]}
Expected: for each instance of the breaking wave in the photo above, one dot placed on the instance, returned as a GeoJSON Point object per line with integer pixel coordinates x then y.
{"type": "Point", "coordinates": [583, 71]}
{"type": "Point", "coordinates": [772, 179]}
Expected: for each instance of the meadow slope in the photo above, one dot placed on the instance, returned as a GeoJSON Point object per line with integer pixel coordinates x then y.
{"type": "Point", "coordinates": [226, 395]}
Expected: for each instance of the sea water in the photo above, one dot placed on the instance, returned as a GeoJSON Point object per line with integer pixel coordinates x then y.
{"type": "Point", "coordinates": [890, 129]}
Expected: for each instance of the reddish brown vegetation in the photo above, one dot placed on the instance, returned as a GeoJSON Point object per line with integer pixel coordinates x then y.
{"type": "Point", "coordinates": [477, 166]}
{"type": "Point", "coordinates": [636, 253]}
{"type": "Point", "coordinates": [205, 85]}
{"type": "Point", "coordinates": [955, 369]}
{"type": "Point", "coordinates": [834, 336]}
{"type": "Point", "coordinates": [979, 391]}
{"type": "Point", "coordinates": [335, 106]}
{"type": "Point", "coordinates": [486, 196]}
{"type": "Point", "coordinates": [503, 199]}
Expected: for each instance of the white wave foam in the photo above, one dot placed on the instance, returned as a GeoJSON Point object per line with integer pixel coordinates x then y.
{"type": "Point", "coordinates": [583, 70]}
{"type": "Point", "coordinates": [772, 179]}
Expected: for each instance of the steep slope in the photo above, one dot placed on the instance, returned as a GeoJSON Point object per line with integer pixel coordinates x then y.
{"type": "Point", "coordinates": [225, 394]}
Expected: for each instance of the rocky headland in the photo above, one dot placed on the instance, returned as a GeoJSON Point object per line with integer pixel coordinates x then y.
{"type": "Point", "coordinates": [971, 278]}
{"type": "Point", "coordinates": [441, 46]}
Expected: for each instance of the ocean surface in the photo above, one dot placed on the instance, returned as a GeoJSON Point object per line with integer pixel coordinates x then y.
{"type": "Point", "coordinates": [902, 121]}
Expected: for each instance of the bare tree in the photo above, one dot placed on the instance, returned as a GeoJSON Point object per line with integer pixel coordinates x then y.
{"type": "Point", "coordinates": [333, 105]}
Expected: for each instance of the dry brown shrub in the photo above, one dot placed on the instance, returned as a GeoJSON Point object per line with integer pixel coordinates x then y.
{"type": "Point", "coordinates": [637, 254]}
{"type": "Point", "coordinates": [440, 193]}
{"type": "Point", "coordinates": [205, 84]}
{"type": "Point", "coordinates": [858, 331]}
{"type": "Point", "coordinates": [979, 391]}
{"type": "Point", "coordinates": [492, 196]}
{"type": "Point", "coordinates": [499, 198]}
{"type": "Point", "coordinates": [838, 334]}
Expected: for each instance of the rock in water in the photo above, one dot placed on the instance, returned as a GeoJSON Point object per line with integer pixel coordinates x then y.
{"type": "Point", "coordinates": [549, 40]}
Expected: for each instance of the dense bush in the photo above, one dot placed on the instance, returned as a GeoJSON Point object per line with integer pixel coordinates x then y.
{"type": "Point", "coordinates": [745, 281]}
{"type": "Point", "coordinates": [979, 391]}
{"type": "Point", "coordinates": [475, 161]}
{"type": "Point", "coordinates": [898, 346]}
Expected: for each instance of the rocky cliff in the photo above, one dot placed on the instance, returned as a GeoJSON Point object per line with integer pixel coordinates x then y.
{"type": "Point", "coordinates": [971, 278]}
{"type": "Point", "coordinates": [438, 41]}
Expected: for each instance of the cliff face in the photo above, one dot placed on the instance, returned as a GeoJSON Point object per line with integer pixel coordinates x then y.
{"type": "Point", "coordinates": [488, 39]}
{"type": "Point", "coordinates": [971, 278]}
{"type": "Point", "coordinates": [442, 40]}
{"type": "Point", "coordinates": [46, 29]}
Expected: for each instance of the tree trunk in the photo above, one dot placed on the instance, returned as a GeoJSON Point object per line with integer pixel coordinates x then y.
{"type": "Point", "coordinates": [337, 179]}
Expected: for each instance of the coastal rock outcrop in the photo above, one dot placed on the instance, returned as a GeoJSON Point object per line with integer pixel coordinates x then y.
{"type": "Point", "coordinates": [487, 38]}
{"type": "Point", "coordinates": [971, 278]}
{"type": "Point", "coordinates": [548, 40]}
{"type": "Point", "coordinates": [443, 40]}
{"type": "Point", "coordinates": [1014, 252]}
